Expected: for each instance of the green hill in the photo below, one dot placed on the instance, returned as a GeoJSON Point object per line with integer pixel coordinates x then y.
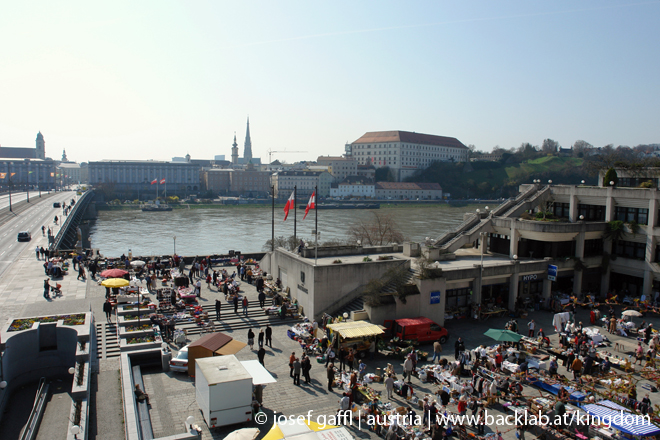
{"type": "Point", "coordinates": [495, 179]}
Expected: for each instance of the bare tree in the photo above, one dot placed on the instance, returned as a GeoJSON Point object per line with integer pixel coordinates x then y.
{"type": "Point", "coordinates": [380, 230]}
{"type": "Point", "coordinates": [549, 146]}
{"type": "Point", "coordinates": [289, 243]}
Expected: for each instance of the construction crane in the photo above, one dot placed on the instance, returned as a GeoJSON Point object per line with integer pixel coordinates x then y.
{"type": "Point", "coordinates": [270, 154]}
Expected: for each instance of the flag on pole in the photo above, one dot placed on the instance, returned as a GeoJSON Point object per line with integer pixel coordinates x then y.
{"type": "Point", "coordinates": [162, 181]}
{"type": "Point", "coordinates": [290, 204]}
{"type": "Point", "coordinates": [311, 204]}
{"type": "Point", "coordinates": [3, 175]}
{"type": "Point", "coordinates": [153, 182]}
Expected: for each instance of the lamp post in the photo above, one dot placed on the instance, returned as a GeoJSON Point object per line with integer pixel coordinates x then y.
{"type": "Point", "coordinates": [174, 244]}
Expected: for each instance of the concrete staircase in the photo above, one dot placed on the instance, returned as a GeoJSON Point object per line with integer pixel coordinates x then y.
{"type": "Point", "coordinates": [107, 341]}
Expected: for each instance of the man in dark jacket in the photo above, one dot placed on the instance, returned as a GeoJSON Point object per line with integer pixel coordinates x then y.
{"type": "Point", "coordinates": [306, 366]}
{"type": "Point", "coordinates": [218, 307]}
{"type": "Point", "coordinates": [236, 304]}
{"type": "Point", "coordinates": [107, 308]}
{"type": "Point", "coordinates": [269, 336]}
{"type": "Point", "coordinates": [459, 347]}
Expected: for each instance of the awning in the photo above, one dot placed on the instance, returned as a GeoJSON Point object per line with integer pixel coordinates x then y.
{"type": "Point", "coordinates": [300, 430]}
{"type": "Point", "coordinates": [356, 329]}
{"type": "Point", "coordinates": [231, 347]}
{"type": "Point", "coordinates": [622, 418]}
{"type": "Point", "coordinates": [260, 376]}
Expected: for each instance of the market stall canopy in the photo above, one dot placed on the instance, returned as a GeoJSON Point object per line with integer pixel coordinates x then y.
{"type": "Point", "coordinates": [634, 313]}
{"type": "Point", "coordinates": [301, 430]}
{"type": "Point", "coordinates": [503, 335]}
{"type": "Point", "coordinates": [113, 273]}
{"type": "Point", "coordinates": [622, 418]}
{"type": "Point", "coordinates": [231, 347]}
{"type": "Point", "coordinates": [260, 376]}
{"type": "Point", "coordinates": [115, 282]}
{"type": "Point", "coordinates": [243, 434]}
{"type": "Point", "coordinates": [356, 329]}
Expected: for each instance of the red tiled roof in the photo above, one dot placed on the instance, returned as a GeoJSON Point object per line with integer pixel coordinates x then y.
{"type": "Point", "coordinates": [409, 137]}
{"type": "Point", "coordinates": [408, 185]}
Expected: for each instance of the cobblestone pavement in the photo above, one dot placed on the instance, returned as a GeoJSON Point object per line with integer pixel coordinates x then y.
{"type": "Point", "coordinates": [173, 398]}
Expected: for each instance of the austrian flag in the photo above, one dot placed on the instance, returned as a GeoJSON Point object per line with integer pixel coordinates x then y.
{"type": "Point", "coordinates": [162, 181]}
{"type": "Point", "coordinates": [290, 204]}
{"type": "Point", "coordinates": [311, 204]}
{"type": "Point", "coordinates": [153, 182]}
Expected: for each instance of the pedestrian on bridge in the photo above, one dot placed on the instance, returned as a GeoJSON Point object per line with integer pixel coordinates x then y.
{"type": "Point", "coordinates": [36, 251]}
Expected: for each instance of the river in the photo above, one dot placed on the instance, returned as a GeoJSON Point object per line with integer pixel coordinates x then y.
{"type": "Point", "coordinates": [247, 228]}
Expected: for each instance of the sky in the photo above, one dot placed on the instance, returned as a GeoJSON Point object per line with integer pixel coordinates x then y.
{"type": "Point", "coordinates": [158, 79]}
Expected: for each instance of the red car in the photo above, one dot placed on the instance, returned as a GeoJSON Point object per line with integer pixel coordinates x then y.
{"type": "Point", "coordinates": [420, 329]}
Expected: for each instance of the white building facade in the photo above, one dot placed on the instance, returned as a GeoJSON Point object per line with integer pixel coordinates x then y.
{"type": "Point", "coordinates": [356, 189]}
{"type": "Point", "coordinates": [408, 190]}
{"type": "Point", "coordinates": [405, 152]}
{"type": "Point", "coordinates": [304, 182]}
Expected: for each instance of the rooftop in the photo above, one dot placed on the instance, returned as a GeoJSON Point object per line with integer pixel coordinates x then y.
{"type": "Point", "coordinates": [409, 137]}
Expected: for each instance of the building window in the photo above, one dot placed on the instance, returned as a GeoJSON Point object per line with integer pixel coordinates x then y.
{"type": "Point", "coordinates": [626, 214]}
{"type": "Point", "coordinates": [629, 249]}
{"type": "Point", "coordinates": [592, 213]}
{"type": "Point", "coordinates": [457, 298]}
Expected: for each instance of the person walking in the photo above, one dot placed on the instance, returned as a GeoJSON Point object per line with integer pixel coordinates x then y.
{"type": "Point", "coordinates": [408, 368]}
{"type": "Point", "coordinates": [198, 288]}
{"type": "Point", "coordinates": [262, 299]}
{"type": "Point", "coordinates": [36, 251]}
{"type": "Point", "coordinates": [81, 272]}
{"type": "Point", "coordinates": [330, 374]}
{"type": "Point", "coordinates": [218, 308]}
{"type": "Point", "coordinates": [43, 231]}
{"type": "Point", "coordinates": [292, 359]}
{"type": "Point", "coordinates": [260, 338]}
{"type": "Point", "coordinates": [261, 354]}
{"type": "Point", "coordinates": [437, 349]}
{"type": "Point", "coordinates": [576, 367]}
{"type": "Point", "coordinates": [236, 304]}
{"type": "Point", "coordinates": [389, 386]}
{"type": "Point", "coordinates": [532, 326]}
{"type": "Point", "coordinates": [251, 339]}
{"type": "Point", "coordinates": [329, 356]}
{"type": "Point", "coordinates": [107, 308]}
{"type": "Point", "coordinates": [296, 372]}
{"type": "Point", "coordinates": [459, 347]}
{"type": "Point", "coordinates": [245, 305]}
{"type": "Point", "coordinates": [46, 288]}
{"type": "Point", "coordinates": [269, 336]}
{"type": "Point", "coordinates": [306, 366]}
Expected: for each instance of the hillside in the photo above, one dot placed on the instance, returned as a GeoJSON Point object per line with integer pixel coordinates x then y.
{"type": "Point", "coordinates": [495, 179]}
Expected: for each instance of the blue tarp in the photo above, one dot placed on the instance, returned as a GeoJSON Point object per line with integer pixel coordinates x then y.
{"type": "Point", "coordinates": [622, 418]}
{"type": "Point", "coordinates": [576, 396]}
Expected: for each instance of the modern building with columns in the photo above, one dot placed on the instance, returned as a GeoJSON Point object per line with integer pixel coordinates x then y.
{"type": "Point", "coordinates": [495, 257]}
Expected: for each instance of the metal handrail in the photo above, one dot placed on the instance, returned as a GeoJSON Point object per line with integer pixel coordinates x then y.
{"type": "Point", "coordinates": [32, 426]}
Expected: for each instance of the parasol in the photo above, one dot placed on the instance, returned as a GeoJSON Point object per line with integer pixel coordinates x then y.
{"type": "Point", "coordinates": [113, 273]}
{"type": "Point", "coordinates": [115, 282]}
{"type": "Point", "coordinates": [503, 335]}
{"type": "Point", "coordinates": [632, 313]}
{"type": "Point", "coordinates": [137, 263]}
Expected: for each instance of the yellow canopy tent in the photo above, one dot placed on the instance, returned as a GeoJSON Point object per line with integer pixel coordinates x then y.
{"type": "Point", "coordinates": [302, 430]}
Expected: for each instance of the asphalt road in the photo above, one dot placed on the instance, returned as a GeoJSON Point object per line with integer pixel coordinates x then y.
{"type": "Point", "coordinates": [40, 214]}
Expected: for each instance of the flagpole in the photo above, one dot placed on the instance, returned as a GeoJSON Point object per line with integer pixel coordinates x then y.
{"type": "Point", "coordinates": [295, 201]}
{"type": "Point", "coordinates": [272, 226]}
{"type": "Point", "coordinates": [316, 224]}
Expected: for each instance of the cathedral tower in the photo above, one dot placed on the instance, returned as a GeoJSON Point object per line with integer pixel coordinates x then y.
{"type": "Point", "coordinates": [41, 146]}
{"type": "Point", "coordinates": [247, 151]}
{"type": "Point", "coordinates": [234, 151]}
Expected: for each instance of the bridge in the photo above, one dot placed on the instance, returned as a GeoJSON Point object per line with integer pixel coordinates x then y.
{"type": "Point", "coordinates": [67, 237]}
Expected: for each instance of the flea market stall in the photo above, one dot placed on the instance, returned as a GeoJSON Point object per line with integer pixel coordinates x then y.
{"type": "Point", "coordinates": [624, 424]}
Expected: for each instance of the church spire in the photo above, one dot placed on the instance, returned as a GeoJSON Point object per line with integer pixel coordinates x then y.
{"type": "Point", "coordinates": [247, 150]}
{"type": "Point", "coordinates": [234, 151]}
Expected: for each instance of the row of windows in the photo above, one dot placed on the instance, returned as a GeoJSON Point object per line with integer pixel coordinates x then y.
{"type": "Point", "coordinates": [633, 182]}
{"type": "Point", "coordinates": [629, 249]}
{"type": "Point", "coordinates": [625, 214]}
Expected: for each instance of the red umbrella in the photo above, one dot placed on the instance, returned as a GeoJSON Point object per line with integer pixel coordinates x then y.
{"type": "Point", "coordinates": [114, 273]}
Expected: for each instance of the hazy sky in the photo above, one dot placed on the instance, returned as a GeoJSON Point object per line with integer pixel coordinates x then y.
{"type": "Point", "coordinates": [156, 79]}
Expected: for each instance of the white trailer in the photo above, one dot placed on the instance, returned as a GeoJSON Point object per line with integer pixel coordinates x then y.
{"type": "Point", "coordinates": [223, 390]}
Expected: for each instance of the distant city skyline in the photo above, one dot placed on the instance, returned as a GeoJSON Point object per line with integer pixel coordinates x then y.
{"type": "Point", "coordinates": [156, 80]}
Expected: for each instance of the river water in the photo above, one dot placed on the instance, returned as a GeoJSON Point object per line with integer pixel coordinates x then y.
{"type": "Point", "coordinates": [247, 228]}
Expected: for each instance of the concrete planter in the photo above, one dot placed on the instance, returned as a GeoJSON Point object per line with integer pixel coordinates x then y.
{"type": "Point", "coordinates": [124, 333]}
{"type": "Point", "coordinates": [82, 355]}
{"type": "Point", "coordinates": [124, 310]}
{"type": "Point", "coordinates": [125, 346]}
{"type": "Point", "coordinates": [79, 392]}
{"type": "Point", "coordinates": [82, 435]}
{"type": "Point", "coordinates": [144, 319]}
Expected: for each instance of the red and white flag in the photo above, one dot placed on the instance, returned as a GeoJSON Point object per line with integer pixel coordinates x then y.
{"type": "Point", "coordinates": [311, 204]}
{"type": "Point", "coordinates": [153, 182]}
{"type": "Point", "coordinates": [162, 181]}
{"type": "Point", "coordinates": [290, 204]}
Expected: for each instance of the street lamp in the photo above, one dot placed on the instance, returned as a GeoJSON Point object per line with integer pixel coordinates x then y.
{"type": "Point", "coordinates": [174, 244]}
{"type": "Point", "coordinates": [550, 182]}
{"type": "Point", "coordinates": [75, 430]}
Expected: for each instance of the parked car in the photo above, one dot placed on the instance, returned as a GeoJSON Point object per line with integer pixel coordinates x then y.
{"type": "Point", "coordinates": [419, 329]}
{"type": "Point", "coordinates": [180, 361]}
{"type": "Point", "coordinates": [24, 236]}
{"type": "Point", "coordinates": [57, 205]}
